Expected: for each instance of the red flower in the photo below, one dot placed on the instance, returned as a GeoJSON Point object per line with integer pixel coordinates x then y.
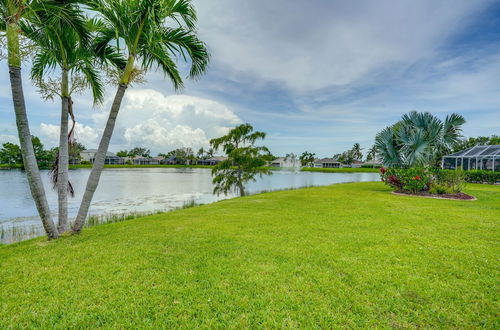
{"type": "Point", "coordinates": [382, 170]}
{"type": "Point", "coordinates": [416, 178]}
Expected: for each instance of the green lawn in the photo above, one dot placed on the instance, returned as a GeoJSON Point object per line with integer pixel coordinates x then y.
{"type": "Point", "coordinates": [341, 170]}
{"type": "Point", "coordinates": [349, 255]}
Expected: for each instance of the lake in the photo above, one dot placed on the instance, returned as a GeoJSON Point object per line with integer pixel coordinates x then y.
{"type": "Point", "coordinates": [143, 190]}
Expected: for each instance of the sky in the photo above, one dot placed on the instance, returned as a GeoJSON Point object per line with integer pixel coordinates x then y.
{"type": "Point", "coordinates": [315, 75]}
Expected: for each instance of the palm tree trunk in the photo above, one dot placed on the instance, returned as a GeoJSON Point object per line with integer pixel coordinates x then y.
{"type": "Point", "coordinates": [100, 157]}
{"type": "Point", "coordinates": [28, 153]}
{"type": "Point", "coordinates": [62, 169]}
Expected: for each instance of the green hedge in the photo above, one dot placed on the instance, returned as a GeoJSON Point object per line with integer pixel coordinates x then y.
{"type": "Point", "coordinates": [482, 176]}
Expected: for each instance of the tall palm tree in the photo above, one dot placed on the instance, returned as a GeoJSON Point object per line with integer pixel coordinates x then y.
{"type": "Point", "coordinates": [418, 139]}
{"type": "Point", "coordinates": [12, 14]}
{"type": "Point", "coordinates": [70, 51]}
{"type": "Point", "coordinates": [145, 28]}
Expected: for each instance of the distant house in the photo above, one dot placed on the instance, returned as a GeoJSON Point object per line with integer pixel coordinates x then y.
{"type": "Point", "coordinates": [144, 161]}
{"type": "Point", "coordinates": [373, 163]}
{"type": "Point", "coordinates": [211, 161]}
{"type": "Point", "coordinates": [172, 160]}
{"type": "Point", "coordinates": [357, 163]}
{"type": "Point", "coordinates": [111, 158]}
{"type": "Point", "coordinates": [286, 162]}
{"type": "Point", "coordinates": [327, 163]}
{"type": "Point", "coordinates": [158, 159]}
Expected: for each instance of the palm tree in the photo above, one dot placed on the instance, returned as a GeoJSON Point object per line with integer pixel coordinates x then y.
{"type": "Point", "coordinates": [418, 139]}
{"type": "Point", "coordinates": [372, 154]}
{"type": "Point", "coordinates": [12, 14]}
{"type": "Point", "coordinates": [356, 151]}
{"type": "Point", "coordinates": [71, 51]}
{"type": "Point", "coordinates": [145, 28]}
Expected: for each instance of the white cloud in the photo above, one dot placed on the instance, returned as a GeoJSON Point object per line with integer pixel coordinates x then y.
{"type": "Point", "coordinates": [309, 45]}
{"type": "Point", "coordinates": [8, 138]}
{"type": "Point", "coordinates": [149, 118]}
{"type": "Point", "coordinates": [84, 134]}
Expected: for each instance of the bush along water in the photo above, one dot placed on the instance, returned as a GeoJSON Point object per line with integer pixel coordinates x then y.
{"type": "Point", "coordinates": [482, 176]}
{"type": "Point", "coordinates": [418, 180]}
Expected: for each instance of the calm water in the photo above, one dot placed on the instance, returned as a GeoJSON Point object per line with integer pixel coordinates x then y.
{"type": "Point", "coordinates": [144, 190]}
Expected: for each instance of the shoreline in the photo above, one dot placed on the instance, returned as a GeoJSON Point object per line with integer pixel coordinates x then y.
{"type": "Point", "coordinates": [304, 169]}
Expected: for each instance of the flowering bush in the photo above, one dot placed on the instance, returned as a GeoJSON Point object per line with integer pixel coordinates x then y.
{"type": "Point", "coordinates": [415, 180]}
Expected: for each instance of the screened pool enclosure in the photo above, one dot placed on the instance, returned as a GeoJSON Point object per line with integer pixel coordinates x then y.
{"type": "Point", "coordinates": [475, 158]}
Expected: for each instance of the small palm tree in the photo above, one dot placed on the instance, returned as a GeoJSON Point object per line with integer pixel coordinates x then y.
{"type": "Point", "coordinates": [356, 151]}
{"type": "Point", "coordinates": [148, 41]}
{"type": "Point", "coordinates": [13, 13]}
{"type": "Point", "coordinates": [418, 139]}
{"type": "Point", "coordinates": [372, 154]}
{"type": "Point", "coordinates": [72, 52]}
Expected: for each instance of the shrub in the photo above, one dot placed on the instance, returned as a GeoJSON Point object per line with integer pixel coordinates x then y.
{"type": "Point", "coordinates": [437, 189]}
{"type": "Point", "coordinates": [482, 176]}
{"type": "Point", "coordinates": [412, 179]}
{"type": "Point", "coordinates": [433, 180]}
{"type": "Point", "coordinates": [452, 180]}
{"type": "Point", "coordinates": [370, 166]}
{"type": "Point", "coordinates": [85, 162]}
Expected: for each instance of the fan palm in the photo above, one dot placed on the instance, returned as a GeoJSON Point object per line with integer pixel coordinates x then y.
{"type": "Point", "coordinates": [418, 139]}
{"type": "Point", "coordinates": [70, 51]}
{"type": "Point", "coordinates": [141, 25]}
{"type": "Point", "coordinates": [12, 14]}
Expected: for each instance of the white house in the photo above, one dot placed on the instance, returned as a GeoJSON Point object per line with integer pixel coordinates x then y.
{"type": "Point", "coordinates": [327, 163]}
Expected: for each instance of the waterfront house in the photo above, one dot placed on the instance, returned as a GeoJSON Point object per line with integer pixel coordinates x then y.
{"type": "Point", "coordinates": [357, 163]}
{"type": "Point", "coordinates": [111, 158]}
{"type": "Point", "coordinates": [211, 161]}
{"type": "Point", "coordinates": [172, 160]}
{"type": "Point", "coordinates": [475, 158]}
{"type": "Point", "coordinates": [327, 163]}
{"type": "Point", "coordinates": [144, 161]}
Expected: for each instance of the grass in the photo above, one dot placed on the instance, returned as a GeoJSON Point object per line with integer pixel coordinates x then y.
{"type": "Point", "coordinates": [348, 255]}
{"type": "Point", "coordinates": [341, 170]}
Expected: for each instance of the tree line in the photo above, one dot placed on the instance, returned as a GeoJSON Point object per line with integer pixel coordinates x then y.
{"type": "Point", "coordinates": [11, 154]}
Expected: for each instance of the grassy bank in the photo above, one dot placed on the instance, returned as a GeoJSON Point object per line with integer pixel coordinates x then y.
{"type": "Point", "coordinates": [349, 255]}
{"type": "Point", "coordinates": [341, 170]}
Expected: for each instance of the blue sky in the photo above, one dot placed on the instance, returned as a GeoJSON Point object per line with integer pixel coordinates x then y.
{"type": "Point", "coordinates": [316, 75]}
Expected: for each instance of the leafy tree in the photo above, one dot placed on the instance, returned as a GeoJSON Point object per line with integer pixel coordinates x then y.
{"type": "Point", "coordinates": [10, 153]}
{"type": "Point", "coordinates": [139, 151]}
{"type": "Point", "coordinates": [154, 33]}
{"type": "Point", "coordinates": [418, 139]}
{"type": "Point", "coordinates": [245, 160]}
{"type": "Point", "coordinates": [122, 153]}
{"type": "Point", "coordinates": [201, 154]}
{"type": "Point", "coordinates": [75, 149]}
{"type": "Point", "coordinates": [474, 141]}
{"type": "Point", "coordinates": [182, 155]}
{"type": "Point", "coordinates": [347, 157]}
{"type": "Point", "coordinates": [307, 158]}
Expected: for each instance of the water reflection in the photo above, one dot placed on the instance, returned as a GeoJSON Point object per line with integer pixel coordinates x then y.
{"type": "Point", "coordinates": [144, 190]}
